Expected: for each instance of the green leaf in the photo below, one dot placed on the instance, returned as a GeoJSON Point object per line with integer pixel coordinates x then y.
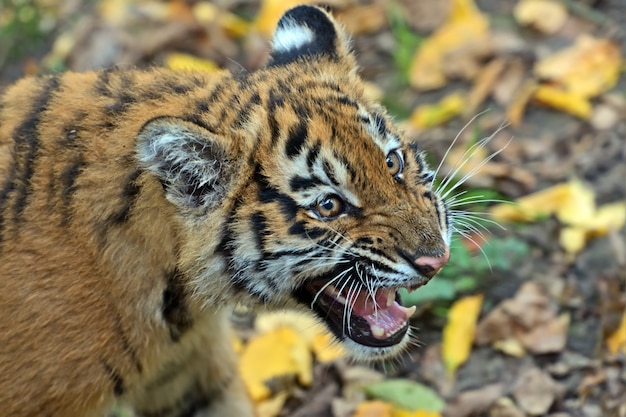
{"type": "Point", "coordinates": [436, 289]}
{"type": "Point", "coordinates": [406, 394]}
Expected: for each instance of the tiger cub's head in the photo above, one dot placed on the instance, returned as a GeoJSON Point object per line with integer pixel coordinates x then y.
{"type": "Point", "coordinates": [327, 207]}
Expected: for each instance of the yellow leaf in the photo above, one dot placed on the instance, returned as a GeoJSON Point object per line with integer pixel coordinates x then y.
{"type": "Point", "coordinates": [574, 205]}
{"type": "Point", "coordinates": [563, 198]}
{"type": "Point", "coordinates": [608, 217]}
{"type": "Point", "coordinates": [325, 349]}
{"type": "Point", "coordinates": [458, 334]}
{"type": "Point", "coordinates": [547, 16]}
{"type": "Point", "coordinates": [208, 13]}
{"type": "Point", "coordinates": [418, 413]}
{"type": "Point", "coordinates": [278, 353]}
{"type": "Point", "coordinates": [586, 69]}
{"type": "Point", "coordinates": [511, 347]}
{"type": "Point", "coordinates": [572, 239]}
{"type": "Point", "coordinates": [374, 409]}
{"type": "Point", "coordinates": [316, 336]}
{"type": "Point", "coordinates": [436, 114]}
{"type": "Point", "coordinates": [464, 29]}
{"type": "Point", "coordinates": [271, 407]}
{"type": "Point", "coordinates": [181, 62]}
{"type": "Point", "coordinates": [617, 341]}
{"type": "Point", "coordinates": [579, 206]}
{"type": "Point", "coordinates": [271, 11]}
{"type": "Point", "coordinates": [560, 99]}
{"type": "Point", "coordinates": [594, 224]}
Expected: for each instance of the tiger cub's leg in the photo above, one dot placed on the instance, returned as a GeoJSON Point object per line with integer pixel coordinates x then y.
{"type": "Point", "coordinates": [199, 380]}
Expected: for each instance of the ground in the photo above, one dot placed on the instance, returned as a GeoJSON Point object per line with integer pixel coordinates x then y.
{"type": "Point", "coordinates": [547, 336]}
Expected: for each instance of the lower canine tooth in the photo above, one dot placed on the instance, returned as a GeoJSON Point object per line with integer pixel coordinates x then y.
{"type": "Point", "coordinates": [378, 331]}
{"type": "Point", "coordinates": [410, 311]}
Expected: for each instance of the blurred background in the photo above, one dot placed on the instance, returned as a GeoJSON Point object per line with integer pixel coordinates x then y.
{"type": "Point", "coordinates": [528, 319]}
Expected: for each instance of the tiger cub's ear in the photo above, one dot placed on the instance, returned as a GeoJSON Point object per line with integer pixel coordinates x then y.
{"type": "Point", "coordinates": [191, 162]}
{"type": "Point", "coordinates": [308, 32]}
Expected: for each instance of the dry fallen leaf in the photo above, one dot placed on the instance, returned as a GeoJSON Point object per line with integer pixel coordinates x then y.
{"type": "Point", "coordinates": [617, 340]}
{"type": "Point", "coordinates": [535, 391]}
{"type": "Point", "coordinates": [310, 330]}
{"type": "Point", "coordinates": [578, 73]}
{"type": "Point", "coordinates": [524, 323]}
{"type": "Point", "coordinates": [272, 406]}
{"type": "Point", "coordinates": [418, 413]}
{"type": "Point", "coordinates": [465, 32]}
{"type": "Point", "coordinates": [360, 19]}
{"type": "Point", "coordinates": [473, 402]}
{"type": "Point", "coordinates": [558, 98]}
{"type": "Point", "coordinates": [547, 16]}
{"type": "Point", "coordinates": [573, 203]}
{"type": "Point", "coordinates": [458, 334]}
{"type": "Point", "coordinates": [374, 409]}
{"type": "Point", "coordinates": [549, 337]}
{"type": "Point", "coordinates": [207, 13]}
{"type": "Point", "coordinates": [284, 353]}
{"type": "Point", "coordinates": [181, 62]}
{"type": "Point", "coordinates": [426, 115]}
{"type": "Point", "coordinates": [586, 69]}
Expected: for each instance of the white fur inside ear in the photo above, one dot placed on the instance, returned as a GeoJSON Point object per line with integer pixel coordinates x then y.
{"type": "Point", "coordinates": [292, 36]}
{"type": "Point", "coordinates": [191, 163]}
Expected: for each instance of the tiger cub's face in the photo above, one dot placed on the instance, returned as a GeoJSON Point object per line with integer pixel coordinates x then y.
{"type": "Point", "coordinates": [333, 209]}
{"type": "Point", "coordinates": [340, 209]}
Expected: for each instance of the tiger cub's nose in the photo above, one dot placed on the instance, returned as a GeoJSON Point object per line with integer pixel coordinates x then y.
{"type": "Point", "coordinates": [430, 265]}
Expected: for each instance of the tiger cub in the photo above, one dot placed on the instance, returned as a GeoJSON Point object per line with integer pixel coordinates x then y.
{"type": "Point", "coordinates": [137, 206]}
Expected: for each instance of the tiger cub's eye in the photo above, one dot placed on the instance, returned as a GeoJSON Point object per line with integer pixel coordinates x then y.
{"type": "Point", "coordinates": [394, 163]}
{"type": "Point", "coordinates": [331, 206]}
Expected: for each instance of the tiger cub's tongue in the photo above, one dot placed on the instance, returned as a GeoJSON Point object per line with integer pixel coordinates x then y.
{"type": "Point", "coordinates": [386, 316]}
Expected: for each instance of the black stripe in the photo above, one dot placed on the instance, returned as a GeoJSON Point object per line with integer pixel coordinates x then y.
{"type": "Point", "coordinates": [330, 172]}
{"type": "Point", "coordinates": [379, 123]}
{"type": "Point", "coordinates": [8, 186]}
{"type": "Point", "coordinates": [269, 194]}
{"type": "Point", "coordinates": [129, 197]}
{"type": "Point", "coordinates": [312, 155]}
{"type": "Point", "coordinates": [116, 379]}
{"type": "Point", "coordinates": [351, 170]}
{"type": "Point", "coordinates": [68, 182]}
{"type": "Point", "coordinates": [275, 100]}
{"type": "Point", "coordinates": [299, 183]}
{"type": "Point", "coordinates": [259, 226]}
{"type": "Point", "coordinates": [126, 345]}
{"type": "Point", "coordinates": [174, 307]}
{"type": "Point", "coordinates": [27, 142]}
{"type": "Point", "coordinates": [244, 113]}
{"type": "Point", "coordinates": [296, 138]}
{"type": "Point", "coordinates": [288, 252]}
{"type": "Point", "coordinates": [299, 228]}
{"type": "Point", "coordinates": [203, 105]}
{"type": "Point", "coordinates": [123, 96]}
{"type": "Point", "coordinates": [102, 86]}
{"type": "Point", "coordinates": [380, 267]}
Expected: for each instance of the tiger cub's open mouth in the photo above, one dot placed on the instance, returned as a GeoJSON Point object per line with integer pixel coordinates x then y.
{"type": "Point", "coordinates": [370, 317]}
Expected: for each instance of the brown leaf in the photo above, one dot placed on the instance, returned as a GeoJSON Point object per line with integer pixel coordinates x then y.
{"type": "Point", "coordinates": [483, 85]}
{"type": "Point", "coordinates": [473, 402]}
{"type": "Point", "coordinates": [361, 19]}
{"type": "Point", "coordinates": [504, 407]}
{"type": "Point", "coordinates": [549, 337]}
{"type": "Point", "coordinates": [535, 391]}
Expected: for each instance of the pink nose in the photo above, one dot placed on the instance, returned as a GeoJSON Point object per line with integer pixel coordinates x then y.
{"type": "Point", "coordinates": [430, 265]}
